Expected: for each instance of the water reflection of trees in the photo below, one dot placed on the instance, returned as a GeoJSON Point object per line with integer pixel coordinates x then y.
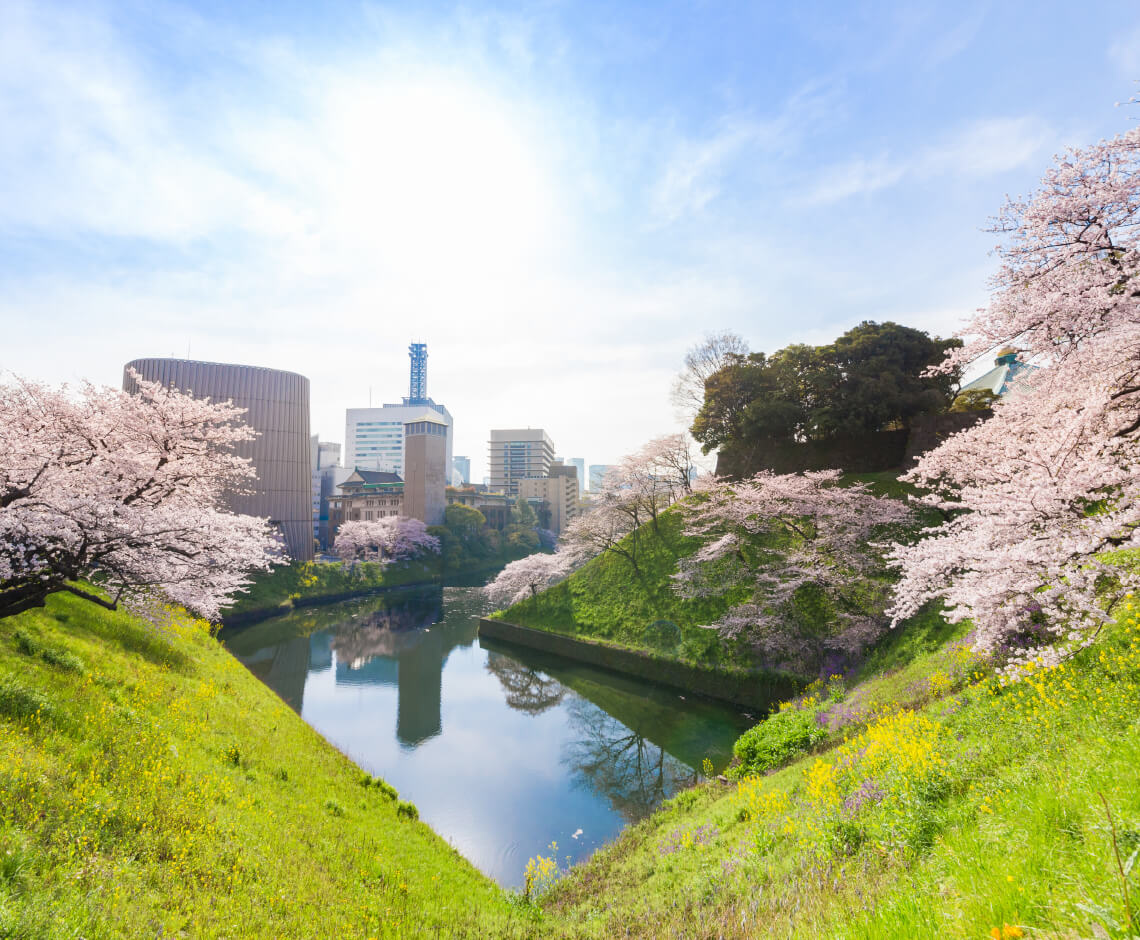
{"type": "Point", "coordinates": [527, 689]}
{"type": "Point", "coordinates": [620, 763]}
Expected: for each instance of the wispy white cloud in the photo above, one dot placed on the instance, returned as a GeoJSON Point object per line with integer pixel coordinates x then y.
{"type": "Point", "coordinates": [693, 177]}
{"type": "Point", "coordinates": [987, 147]}
{"type": "Point", "coordinates": [856, 177]}
{"type": "Point", "coordinates": [521, 192]}
{"type": "Point", "coordinates": [697, 169]}
{"type": "Point", "coordinates": [90, 146]}
{"type": "Point", "coordinates": [981, 148]}
{"type": "Point", "coordinates": [953, 41]}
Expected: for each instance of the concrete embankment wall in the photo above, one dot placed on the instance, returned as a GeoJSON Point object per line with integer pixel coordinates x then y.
{"type": "Point", "coordinates": [754, 689]}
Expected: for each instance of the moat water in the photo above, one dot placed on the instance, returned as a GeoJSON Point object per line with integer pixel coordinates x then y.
{"type": "Point", "coordinates": [502, 750]}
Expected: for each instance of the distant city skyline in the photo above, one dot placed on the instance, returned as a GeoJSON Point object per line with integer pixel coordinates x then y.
{"type": "Point", "coordinates": [558, 200]}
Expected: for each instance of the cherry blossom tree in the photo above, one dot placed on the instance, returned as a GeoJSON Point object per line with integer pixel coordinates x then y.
{"type": "Point", "coordinates": [1039, 495]}
{"type": "Point", "coordinates": [527, 576]}
{"type": "Point", "coordinates": [126, 490]}
{"type": "Point", "coordinates": [609, 525]}
{"type": "Point", "coordinates": [634, 493]}
{"type": "Point", "coordinates": [394, 538]}
{"type": "Point", "coordinates": [669, 463]}
{"type": "Point", "coordinates": [771, 538]}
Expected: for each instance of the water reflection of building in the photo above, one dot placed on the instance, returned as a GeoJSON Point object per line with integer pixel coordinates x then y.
{"type": "Point", "coordinates": [391, 640]}
{"type": "Point", "coordinates": [283, 668]}
{"type": "Point", "coordinates": [397, 640]}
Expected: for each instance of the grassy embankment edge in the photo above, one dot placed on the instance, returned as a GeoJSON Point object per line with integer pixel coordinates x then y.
{"type": "Point", "coordinates": [302, 584]}
{"type": "Point", "coordinates": [609, 603]}
{"type": "Point", "coordinates": [150, 785]}
{"type": "Point", "coordinates": [937, 801]}
{"type": "Point", "coordinates": [305, 584]}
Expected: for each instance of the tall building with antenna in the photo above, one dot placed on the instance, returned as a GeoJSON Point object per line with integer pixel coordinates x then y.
{"type": "Point", "coordinates": [374, 437]}
{"type": "Point", "coordinates": [417, 391]}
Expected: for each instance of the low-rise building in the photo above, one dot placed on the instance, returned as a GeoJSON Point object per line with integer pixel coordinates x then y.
{"type": "Point", "coordinates": [365, 496]}
{"type": "Point", "coordinates": [557, 493]}
{"type": "Point", "coordinates": [372, 495]}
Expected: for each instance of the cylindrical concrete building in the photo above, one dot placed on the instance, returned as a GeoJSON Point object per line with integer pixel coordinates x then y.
{"type": "Point", "coordinates": [277, 407]}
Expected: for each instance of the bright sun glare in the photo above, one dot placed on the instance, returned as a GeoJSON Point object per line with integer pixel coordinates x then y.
{"type": "Point", "coordinates": [435, 177]}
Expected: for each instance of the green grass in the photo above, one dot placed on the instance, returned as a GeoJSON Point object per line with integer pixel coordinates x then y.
{"type": "Point", "coordinates": [606, 600]}
{"type": "Point", "coordinates": [279, 590]}
{"type": "Point", "coordinates": [945, 805]}
{"type": "Point", "coordinates": [161, 790]}
{"type": "Point", "coordinates": [150, 786]}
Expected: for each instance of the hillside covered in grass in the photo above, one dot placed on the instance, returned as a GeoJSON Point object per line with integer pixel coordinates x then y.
{"type": "Point", "coordinates": [150, 786]}
{"type": "Point", "coordinates": [638, 606]}
{"type": "Point", "coordinates": [606, 600]}
{"type": "Point", "coordinates": [928, 799]}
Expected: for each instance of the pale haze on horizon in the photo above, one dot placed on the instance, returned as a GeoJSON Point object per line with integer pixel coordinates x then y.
{"type": "Point", "coordinates": [559, 200]}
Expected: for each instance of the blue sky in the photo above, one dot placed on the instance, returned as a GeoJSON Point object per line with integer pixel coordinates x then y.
{"type": "Point", "coordinates": [558, 198]}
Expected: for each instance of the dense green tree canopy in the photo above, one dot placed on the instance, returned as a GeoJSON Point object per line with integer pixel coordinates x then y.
{"type": "Point", "coordinates": [870, 379]}
{"type": "Point", "coordinates": [464, 519]}
{"type": "Point", "coordinates": [522, 514]}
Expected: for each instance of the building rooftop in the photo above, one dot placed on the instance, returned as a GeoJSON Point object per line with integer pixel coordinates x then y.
{"type": "Point", "coordinates": [1007, 366]}
{"type": "Point", "coordinates": [372, 477]}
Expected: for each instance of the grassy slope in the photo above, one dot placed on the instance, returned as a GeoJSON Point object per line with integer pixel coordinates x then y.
{"type": "Point", "coordinates": [985, 811]}
{"type": "Point", "coordinates": [606, 600]}
{"type": "Point", "coordinates": [151, 786]}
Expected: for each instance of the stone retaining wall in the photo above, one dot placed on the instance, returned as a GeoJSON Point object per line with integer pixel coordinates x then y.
{"type": "Point", "coordinates": [754, 689]}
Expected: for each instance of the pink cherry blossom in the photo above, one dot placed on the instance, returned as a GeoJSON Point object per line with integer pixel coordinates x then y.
{"type": "Point", "coordinates": [527, 576]}
{"type": "Point", "coordinates": [127, 490]}
{"type": "Point", "coordinates": [775, 534]}
{"type": "Point", "coordinates": [1036, 496]}
{"type": "Point", "coordinates": [634, 493]}
{"type": "Point", "coordinates": [387, 540]}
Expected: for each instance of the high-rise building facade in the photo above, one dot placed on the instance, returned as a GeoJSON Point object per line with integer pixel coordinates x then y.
{"type": "Point", "coordinates": [461, 470]}
{"type": "Point", "coordinates": [425, 485]}
{"type": "Point", "coordinates": [517, 454]}
{"type": "Point", "coordinates": [374, 437]}
{"type": "Point", "coordinates": [325, 462]}
{"type": "Point", "coordinates": [276, 406]}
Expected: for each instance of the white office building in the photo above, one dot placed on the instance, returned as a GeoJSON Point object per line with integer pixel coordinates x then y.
{"type": "Point", "coordinates": [517, 454]}
{"type": "Point", "coordinates": [374, 437]}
